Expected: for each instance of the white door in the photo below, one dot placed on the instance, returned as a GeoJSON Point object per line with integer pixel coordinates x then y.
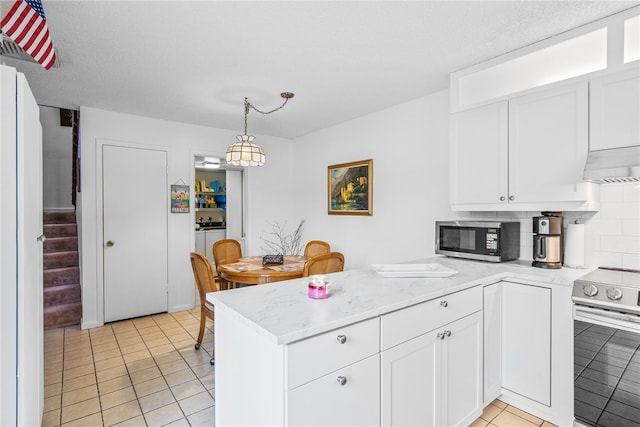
{"type": "Point", "coordinates": [235, 211]}
{"type": "Point", "coordinates": [135, 208]}
{"type": "Point", "coordinates": [30, 293]}
{"type": "Point", "coordinates": [411, 381]}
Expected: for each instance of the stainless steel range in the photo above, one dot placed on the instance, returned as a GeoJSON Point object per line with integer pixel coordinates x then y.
{"type": "Point", "coordinates": [606, 317]}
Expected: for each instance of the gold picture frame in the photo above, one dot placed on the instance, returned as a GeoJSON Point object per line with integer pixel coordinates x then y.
{"type": "Point", "coordinates": [350, 188]}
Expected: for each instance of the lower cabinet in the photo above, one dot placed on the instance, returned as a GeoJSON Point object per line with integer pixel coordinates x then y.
{"type": "Point", "coordinates": [349, 396]}
{"type": "Point", "coordinates": [435, 379]}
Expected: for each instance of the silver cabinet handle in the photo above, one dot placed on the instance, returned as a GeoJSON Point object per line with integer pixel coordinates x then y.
{"type": "Point", "coordinates": [342, 339]}
{"type": "Point", "coordinates": [342, 380]}
{"type": "Point", "coordinates": [512, 198]}
{"type": "Point", "coordinates": [444, 304]}
{"type": "Point", "coordinates": [41, 238]}
{"type": "Point", "coordinates": [502, 198]}
{"type": "Point", "coordinates": [110, 243]}
{"type": "Point", "coordinates": [447, 333]}
{"type": "Point", "coordinates": [440, 335]}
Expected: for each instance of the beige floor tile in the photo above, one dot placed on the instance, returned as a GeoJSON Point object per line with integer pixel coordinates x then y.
{"type": "Point", "coordinates": [173, 366]}
{"type": "Point", "coordinates": [182, 422]}
{"type": "Point", "coordinates": [79, 395]}
{"type": "Point", "coordinates": [204, 418]}
{"type": "Point", "coordinates": [156, 400]}
{"type": "Point", "coordinates": [152, 386]}
{"type": "Point", "coordinates": [508, 419]}
{"type": "Point", "coordinates": [94, 420]}
{"type": "Point", "coordinates": [78, 382]}
{"type": "Point", "coordinates": [133, 348]}
{"type": "Point", "coordinates": [52, 378]}
{"type": "Point", "coordinates": [479, 423]}
{"type": "Point", "coordinates": [196, 403]}
{"type": "Point", "coordinates": [164, 415]}
{"type": "Point", "coordinates": [132, 422]}
{"type": "Point", "coordinates": [78, 361]}
{"type": "Point", "coordinates": [118, 397]}
{"type": "Point", "coordinates": [548, 424]}
{"type": "Point", "coordinates": [110, 373]}
{"type": "Point", "coordinates": [157, 342]}
{"type": "Point", "coordinates": [101, 365]}
{"type": "Point", "coordinates": [499, 403]}
{"type": "Point", "coordinates": [139, 365]}
{"type": "Point", "coordinates": [69, 374]}
{"type": "Point", "coordinates": [190, 388]}
{"type": "Point", "coordinates": [163, 358]}
{"type": "Point", "coordinates": [490, 412]}
{"type": "Point", "coordinates": [199, 357]}
{"type": "Point", "coordinates": [52, 389]}
{"type": "Point", "coordinates": [151, 332]}
{"type": "Point", "coordinates": [522, 414]}
{"type": "Point", "coordinates": [137, 355]}
{"type": "Point", "coordinates": [121, 413]}
{"type": "Point", "coordinates": [145, 375]}
{"type": "Point", "coordinates": [126, 333]}
{"type": "Point", "coordinates": [80, 410]}
{"type": "Point", "coordinates": [162, 349]}
{"type": "Point", "coordinates": [125, 342]}
{"type": "Point", "coordinates": [179, 377]}
{"type": "Point", "coordinates": [114, 384]}
{"type": "Point", "coordinates": [106, 353]}
{"type": "Point", "coordinates": [209, 382]}
{"type": "Point", "coordinates": [202, 371]}
{"type": "Point", "coordinates": [79, 349]}
{"type": "Point", "coordinates": [51, 418]}
{"type": "Point", "coordinates": [53, 402]}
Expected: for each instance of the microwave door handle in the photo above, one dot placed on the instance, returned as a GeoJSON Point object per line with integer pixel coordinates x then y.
{"type": "Point", "coordinates": [541, 250]}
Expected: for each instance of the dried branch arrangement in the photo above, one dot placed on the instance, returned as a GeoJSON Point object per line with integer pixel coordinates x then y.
{"type": "Point", "coordinates": [281, 242]}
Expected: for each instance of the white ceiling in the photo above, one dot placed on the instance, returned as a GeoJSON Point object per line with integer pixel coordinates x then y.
{"type": "Point", "coordinates": [194, 62]}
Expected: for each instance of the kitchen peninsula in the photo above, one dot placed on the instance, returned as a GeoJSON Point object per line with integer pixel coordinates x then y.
{"type": "Point", "coordinates": [392, 351]}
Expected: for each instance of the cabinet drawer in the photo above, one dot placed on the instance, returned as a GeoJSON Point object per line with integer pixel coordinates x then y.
{"type": "Point", "coordinates": [408, 323]}
{"type": "Point", "coordinates": [347, 397]}
{"type": "Point", "coordinates": [316, 356]}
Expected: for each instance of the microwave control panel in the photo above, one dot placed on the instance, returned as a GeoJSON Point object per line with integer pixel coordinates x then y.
{"type": "Point", "coordinates": [492, 240]}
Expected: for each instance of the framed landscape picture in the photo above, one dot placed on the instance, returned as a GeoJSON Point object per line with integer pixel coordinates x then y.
{"type": "Point", "coordinates": [350, 188]}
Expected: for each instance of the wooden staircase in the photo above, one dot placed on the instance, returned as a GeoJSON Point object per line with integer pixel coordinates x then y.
{"type": "Point", "coordinates": [61, 278]}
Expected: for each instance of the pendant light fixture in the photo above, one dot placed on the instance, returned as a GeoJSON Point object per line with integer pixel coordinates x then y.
{"type": "Point", "coordinates": [244, 152]}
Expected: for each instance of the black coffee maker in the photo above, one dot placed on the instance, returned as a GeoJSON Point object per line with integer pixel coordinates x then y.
{"type": "Point", "coordinates": [547, 240]}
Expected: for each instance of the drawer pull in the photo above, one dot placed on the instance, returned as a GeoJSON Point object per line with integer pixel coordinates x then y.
{"type": "Point", "coordinates": [342, 380]}
{"type": "Point", "coordinates": [342, 339]}
{"type": "Point", "coordinates": [447, 333]}
{"type": "Point", "coordinates": [444, 304]}
{"type": "Point", "coordinates": [440, 335]}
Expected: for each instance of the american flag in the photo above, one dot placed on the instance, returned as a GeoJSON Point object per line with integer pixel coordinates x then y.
{"type": "Point", "coordinates": [25, 24]}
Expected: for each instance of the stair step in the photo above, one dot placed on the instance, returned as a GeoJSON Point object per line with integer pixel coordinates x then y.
{"type": "Point", "coordinates": [61, 276]}
{"type": "Point", "coordinates": [60, 230]}
{"type": "Point", "coordinates": [59, 217]}
{"type": "Point", "coordinates": [60, 259]}
{"type": "Point", "coordinates": [60, 244]}
{"type": "Point", "coordinates": [61, 294]}
{"type": "Point", "coordinates": [62, 315]}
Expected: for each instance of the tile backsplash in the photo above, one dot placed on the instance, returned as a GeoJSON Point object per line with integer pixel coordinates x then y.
{"type": "Point", "coordinates": [612, 235]}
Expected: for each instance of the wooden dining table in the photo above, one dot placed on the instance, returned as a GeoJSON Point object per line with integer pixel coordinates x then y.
{"type": "Point", "coordinates": [250, 270]}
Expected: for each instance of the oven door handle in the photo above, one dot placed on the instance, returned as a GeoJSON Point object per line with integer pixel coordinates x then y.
{"type": "Point", "coordinates": [628, 322]}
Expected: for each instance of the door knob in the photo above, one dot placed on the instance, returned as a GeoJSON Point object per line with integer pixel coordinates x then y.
{"type": "Point", "coordinates": [110, 243]}
{"type": "Point", "coordinates": [41, 238]}
{"type": "Point", "coordinates": [512, 198]}
{"type": "Point", "coordinates": [502, 198]}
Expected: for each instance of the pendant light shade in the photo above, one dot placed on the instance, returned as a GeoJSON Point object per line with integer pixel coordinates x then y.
{"type": "Point", "coordinates": [245, 153]}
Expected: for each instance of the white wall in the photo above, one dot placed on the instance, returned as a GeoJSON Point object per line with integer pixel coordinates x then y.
{"type": "Point", "coordinates": [409, 145]}
{"type": "Point", "coordinates": [268, 193]}
{"type": "Point", "coordinates": [57, 153]}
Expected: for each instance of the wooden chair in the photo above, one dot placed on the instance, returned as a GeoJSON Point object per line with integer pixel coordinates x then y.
{"type": "Point", "coordinates": [324, 264]}
{"type": "Point", "coordinates": [205, 282]}
{"type": "Point", "coordinates": [316, 247]}
{"type": "Point", "coordinates": [224, 250]}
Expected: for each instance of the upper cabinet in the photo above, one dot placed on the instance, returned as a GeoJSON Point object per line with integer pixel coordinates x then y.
{"type": "Point", "coordinates": [615, 108]}
{"type": "Point", "coordinates": [525, 153]}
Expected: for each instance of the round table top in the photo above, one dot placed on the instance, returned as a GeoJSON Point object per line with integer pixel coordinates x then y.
{"type": "Point", "coordinates": [250, 270]}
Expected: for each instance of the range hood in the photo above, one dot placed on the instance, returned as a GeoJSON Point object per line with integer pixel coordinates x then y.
{"type": "Point", "coordinates": [613, 165]}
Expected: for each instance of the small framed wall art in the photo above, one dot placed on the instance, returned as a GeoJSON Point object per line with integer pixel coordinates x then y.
{"type": "Point", "coordinates": [350, 188]}
{"type": "Point", "coordinates": [179, 198]}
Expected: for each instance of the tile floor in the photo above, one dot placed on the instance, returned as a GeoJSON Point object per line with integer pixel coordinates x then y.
{"type": "Point", "coordinates": [139, 372]}
{"type": "Point", "coordinates": [146, 372]}
{"type": "Point", "coordinates": [499, 414]}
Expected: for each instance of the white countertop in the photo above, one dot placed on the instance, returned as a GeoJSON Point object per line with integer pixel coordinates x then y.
{"type": "Point", "coordinates": [282, 312]}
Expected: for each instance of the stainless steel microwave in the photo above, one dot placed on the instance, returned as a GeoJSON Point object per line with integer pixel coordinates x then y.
{"type": "Point", "coordinates": [494, 241]}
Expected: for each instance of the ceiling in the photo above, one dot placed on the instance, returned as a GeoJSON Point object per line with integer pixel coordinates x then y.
{"type": "Point", "coordinates": [195, 61]}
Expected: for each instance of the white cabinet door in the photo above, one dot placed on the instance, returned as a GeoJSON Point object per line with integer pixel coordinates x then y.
{"type": "Point", "coordinates": [492, 325]}
{"type": "Point", "coordinates": [212, 236]}
{"type": "Point", "coordinates": [548, 145]}
{"type": "Point", "coordinates": [615, 108]}
{"type": "Point", "coordinates": [461, 367]}
{"type": "Point", "coordinates": [526, 341]}
{"type": "Point", "coordinates": [479, 147]}
{"type": "Point", "coordinates": [349, 396]}
{"type": "Point", "coordinates": [411, 382]}
{"type": "Point", "coordinates": [200, 243]}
